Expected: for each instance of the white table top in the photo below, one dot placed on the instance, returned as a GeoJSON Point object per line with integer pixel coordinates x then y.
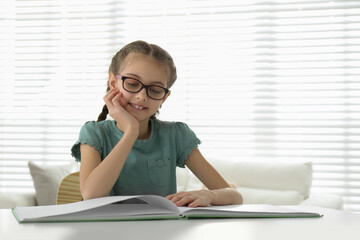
{"type": "Point", "coordinates": [334, 224]}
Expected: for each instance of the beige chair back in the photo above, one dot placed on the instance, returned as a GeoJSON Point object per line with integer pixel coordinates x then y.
{"type": "Point", "coordinates": [69, 189]}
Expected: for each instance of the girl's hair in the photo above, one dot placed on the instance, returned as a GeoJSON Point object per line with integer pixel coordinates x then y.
{"type": "Point", "coordinates": [145, 48]}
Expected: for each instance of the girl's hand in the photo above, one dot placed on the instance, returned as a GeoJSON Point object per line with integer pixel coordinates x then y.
{"type": "Point", "coordinates": [201, 198]}
{"type": "Point", "coordinates": [123, 118]}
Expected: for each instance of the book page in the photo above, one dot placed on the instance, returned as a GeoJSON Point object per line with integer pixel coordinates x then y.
{"type": "Point", "coordinates": [160, 202]}
{"type": "Point", "coordinates": [53, 210]}
{"type": "Point", "coordinates": [37, 212]}
{"type": "Point", "coordinates": [116, 212]}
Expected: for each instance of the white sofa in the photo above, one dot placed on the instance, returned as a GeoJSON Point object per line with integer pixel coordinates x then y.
{"type": "Point", "coordinates": [259, 183]}
{"type": "Point", "coordinates": [266, 183]}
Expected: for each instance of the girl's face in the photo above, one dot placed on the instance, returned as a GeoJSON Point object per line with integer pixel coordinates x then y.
{"type": "Point", "coordinates": [149, 72]}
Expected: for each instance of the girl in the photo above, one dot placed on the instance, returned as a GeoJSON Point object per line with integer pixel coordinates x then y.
{"type": "Point", "coordinates": [136, 153]}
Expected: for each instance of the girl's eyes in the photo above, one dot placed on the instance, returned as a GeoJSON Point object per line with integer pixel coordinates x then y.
{"type": "Point", "coordinates": [155, 90]}
{"type": "Point", "coordinates": [133, 83]}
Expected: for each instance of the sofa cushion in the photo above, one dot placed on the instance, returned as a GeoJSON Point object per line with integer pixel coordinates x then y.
{"type": "Point", "coordinates": [268, 196]}
{"type": "Point", "coordinates": [267, 175]}
{"type": "Point", "coordinates": [324, 200]}
{"type": "Point", "coordinates": [47, 179]}
{"type": "Point", "coordinates": [12, 200]}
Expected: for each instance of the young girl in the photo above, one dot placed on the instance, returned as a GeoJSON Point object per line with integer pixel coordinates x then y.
{"type": "Point", "coordinates": [136, 153]}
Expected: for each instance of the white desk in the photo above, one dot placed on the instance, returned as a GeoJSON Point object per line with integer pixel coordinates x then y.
{"type": "Point", "coordinates": [335, 225]}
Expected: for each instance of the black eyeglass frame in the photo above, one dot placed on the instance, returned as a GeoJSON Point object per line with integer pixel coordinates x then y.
{"type": "Point", "coordinates": [123, 78]}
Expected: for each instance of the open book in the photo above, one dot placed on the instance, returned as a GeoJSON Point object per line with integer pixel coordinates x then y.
{"type": "Point", "coordinates": [147, 207]}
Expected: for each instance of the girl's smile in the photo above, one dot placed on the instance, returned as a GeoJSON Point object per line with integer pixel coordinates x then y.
{"type": "Point", "coordinates": [138, 107]}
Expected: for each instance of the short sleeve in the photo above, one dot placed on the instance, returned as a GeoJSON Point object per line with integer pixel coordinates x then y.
{"type": "Point", "coordinates": [89, 134]}
{"type": "Point", "coordinates": [186, 142]}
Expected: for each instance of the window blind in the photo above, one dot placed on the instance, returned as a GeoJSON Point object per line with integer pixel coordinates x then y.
{"type": "Point", "coordinates": [257, 80]}
{"type": "Point", "coordinates": [54, 59]}
{"type": "Point", "coordinates": [265, 81]}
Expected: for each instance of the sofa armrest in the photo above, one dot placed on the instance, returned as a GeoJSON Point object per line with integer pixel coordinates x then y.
{"type": "Point", "coordinates": [324, 200]}
{"type": "Point", "coordinates": [12, 200]}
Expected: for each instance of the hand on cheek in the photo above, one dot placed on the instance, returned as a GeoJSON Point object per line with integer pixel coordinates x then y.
{"type": "Point", "coordinates": [119, 98]}
{"type": "Point", "coordinates": [116, 105]}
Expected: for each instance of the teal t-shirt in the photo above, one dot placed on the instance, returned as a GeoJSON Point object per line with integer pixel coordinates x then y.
{"type": "Point", "coordinates": [151, 165]}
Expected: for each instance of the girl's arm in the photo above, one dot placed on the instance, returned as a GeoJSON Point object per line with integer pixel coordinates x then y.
{"type": "Point", "coordinates": [98, 177]}
{"type": "Point", "coordinates": [219, 193]}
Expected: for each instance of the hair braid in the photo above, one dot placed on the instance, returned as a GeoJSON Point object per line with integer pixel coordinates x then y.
{"type": "Point", "coordinates": [103, 114]}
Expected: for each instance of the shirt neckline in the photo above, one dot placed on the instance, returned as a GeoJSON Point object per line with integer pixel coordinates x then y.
{"type": "Point", "coordinates": [120, 134]}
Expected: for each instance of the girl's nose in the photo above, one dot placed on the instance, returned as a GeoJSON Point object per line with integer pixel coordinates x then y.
{"type": "Point", "coordinates": [142, 95]}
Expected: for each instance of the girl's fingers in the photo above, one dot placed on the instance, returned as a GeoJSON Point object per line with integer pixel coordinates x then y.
{"type": "Point", "coordinates": [109, 95]}
{"type": "Point", "coordinates": [195, 203]}
{"type": "Point", "coordinates": [176, 196]}
{"type": "Point", "coordinates": [118, 101]}
{"type": "Point", "coordinates": [182, 201]}
{"type": "Point", "coordinates": [172, 195]}
{"type": "Point", "coordinates": [115, 97]}
{"type": "Point", "coordinates": [110, 92]}
{"type": "Point", "coordinates": [192, 199]}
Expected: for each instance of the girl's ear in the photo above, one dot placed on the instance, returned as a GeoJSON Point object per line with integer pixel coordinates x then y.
{"type": "Point", "coordinates": [112, 81]}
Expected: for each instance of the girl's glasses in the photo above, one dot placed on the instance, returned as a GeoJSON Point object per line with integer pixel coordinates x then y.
{"type": "Point", "coordinates": [133, 85]}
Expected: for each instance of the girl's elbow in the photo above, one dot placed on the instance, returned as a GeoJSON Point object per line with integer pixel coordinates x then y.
{"type": "Point", "coordinates": [90, 194]}
{"type": "Point", "coordinates": [237, 197]}
{"type": "Point", "coordinates": [86, 195]}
